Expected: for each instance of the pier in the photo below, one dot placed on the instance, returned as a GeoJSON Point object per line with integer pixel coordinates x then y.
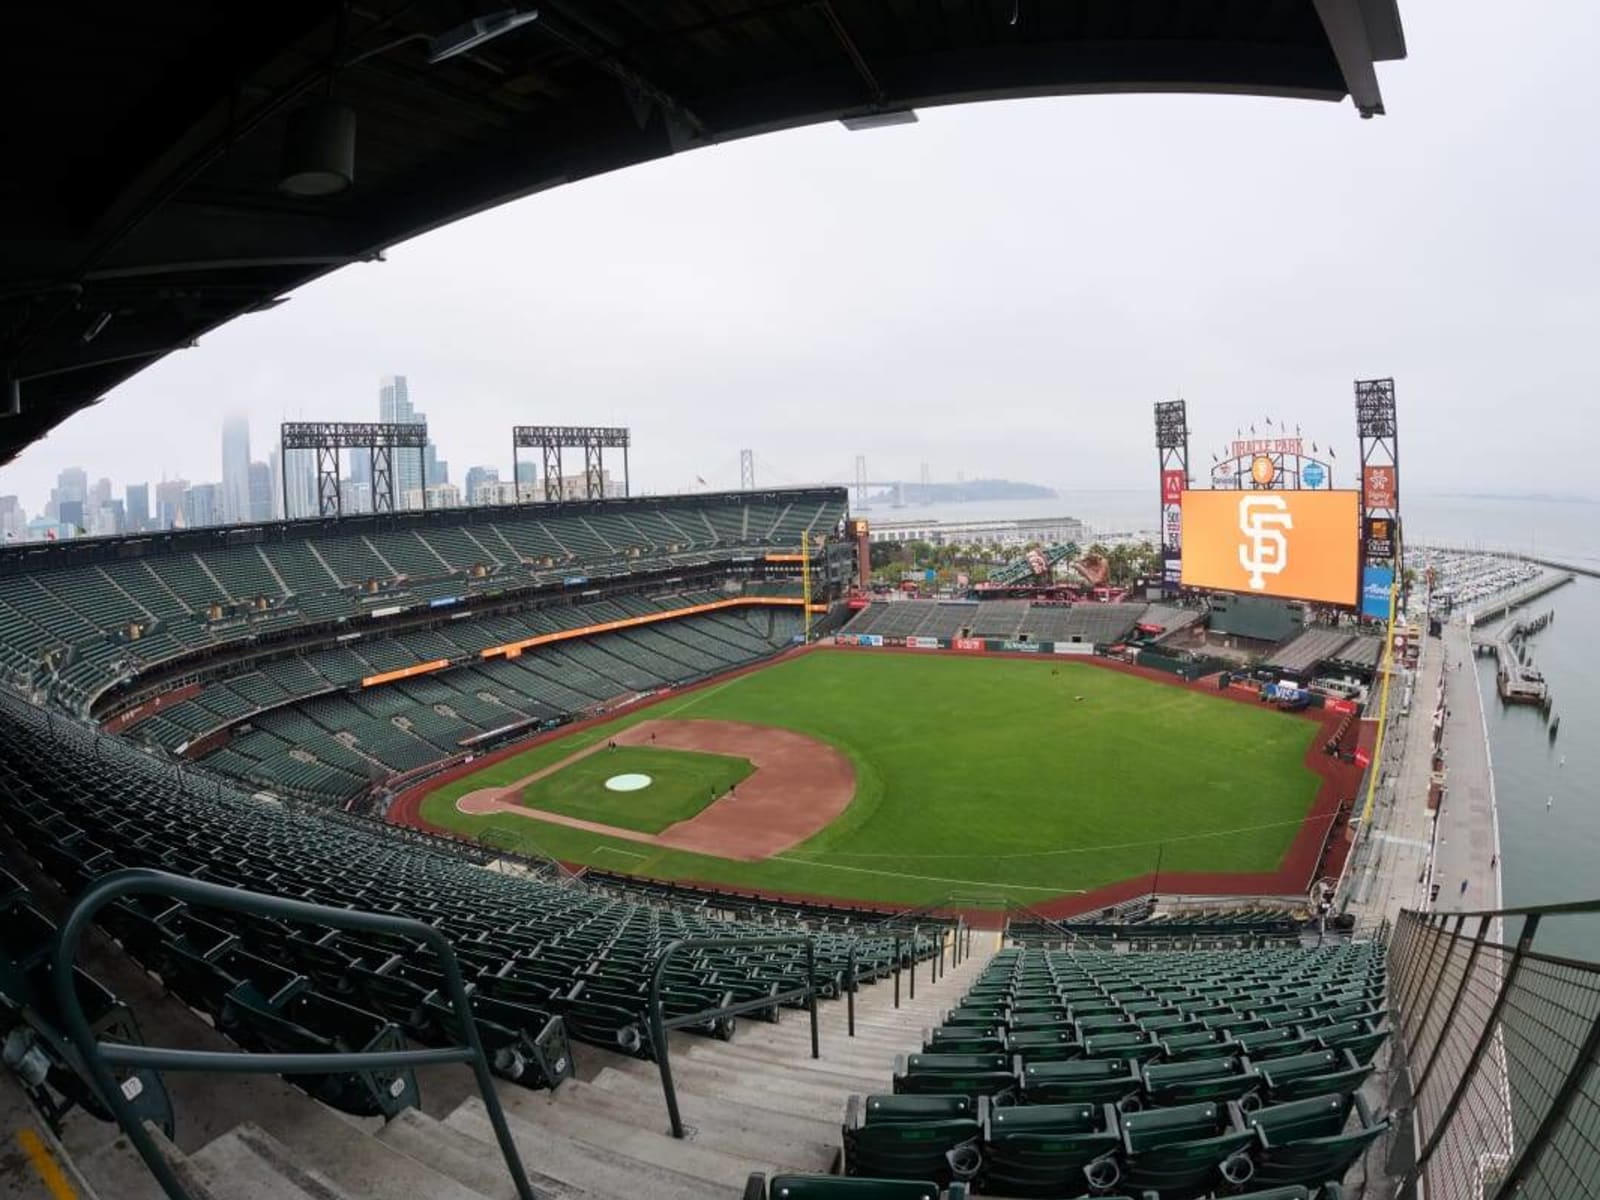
{"type": "Point", "coordinates": [1503, 606]}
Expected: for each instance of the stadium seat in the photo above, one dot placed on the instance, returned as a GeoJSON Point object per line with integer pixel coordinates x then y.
{"type": "Point", "coordinates": [1200, 1079]}
{"type": "Point", "coordinates": [1318, 1073]}
{"type": "Point", "coordinates": [1177, 1151]}
{"type": "Point", "coordinates": [1049, 1150]}
{"type": "Point", "coordinates": [912, 1137]}
{"type": "Point", "coordinates": [1305, 1141]}
{"type": "Point", "coordinates": [833, 1187]}
{"type": "Point", "coordinates": [1085, 1081]}
{"type": "Point", "coordinates": [964, 1074]}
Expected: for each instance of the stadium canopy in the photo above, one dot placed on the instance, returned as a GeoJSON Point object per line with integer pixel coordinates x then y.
{"type": "Point", "coordinates": [171, 166]}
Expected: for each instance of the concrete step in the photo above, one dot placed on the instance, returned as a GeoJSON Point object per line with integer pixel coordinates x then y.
{"type": "Point", "coordinates": [701, 1111]}
{"type": "Point", "coordinates": [743, 1131]}
{"type": "Point", "coordinates": [466, 1159]}
{"type": "Point", "coordinates": [247, 1163]}
{"type": "Point", "coordinates": [826, 1107]}
{"type": "Point", "coordinates": [361, 1164]}
{"type": "Point", "coordinates": [601, 1171]}
{"type": "Point", "coordinates": [116, 1172]}
{"type": "Point", "coordinates": [839, 1066]}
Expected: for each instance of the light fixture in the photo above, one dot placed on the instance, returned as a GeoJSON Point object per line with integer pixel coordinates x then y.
{"type": "Point", "coordinates": [11, 397]}
{"type": "Point", "coordinates": [476, 32]}
{"type": "Point", "coordinates": [96, 327]}
{"type": "Point", "coordinates": [881, 119]}
{"type": "Point", "coordinates": [319, 150]}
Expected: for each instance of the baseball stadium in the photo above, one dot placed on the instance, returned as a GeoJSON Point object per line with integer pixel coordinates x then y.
{"type": "Point", "coordinates": [596, 845]}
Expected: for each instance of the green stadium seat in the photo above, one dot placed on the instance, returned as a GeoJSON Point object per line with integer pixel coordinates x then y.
{"type": "Point", "coordinates": [833, 1187]}
{"type": "Point", "coordinates": [954, 1074]}
{"type": "Point", "coordinates": [1178, 1151]}
{"type": "Point", "coordinates": [1085, 1081]}
{"type": "Point", "coordinates": [1200, 1079]}
{"type": "Point", "coordinates": [1049, 1150]}
{"type": "Point", "coordinates": [1305, 1141]}
{"type": "Point", "coordinates": [1317, 1073]}
{"type": "Point", "coordinates": [928, 1136]}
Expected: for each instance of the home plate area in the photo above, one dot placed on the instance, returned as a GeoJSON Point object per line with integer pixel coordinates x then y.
{"type": "Point", "coordinates": [798, 786]}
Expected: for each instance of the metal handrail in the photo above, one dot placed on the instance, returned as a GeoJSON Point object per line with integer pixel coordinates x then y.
{"type": "Point", "coordinates": [100, 1057]}
{"type": "Point", "coordinates": [660, 1024]}
{"type": "Point", "coordinates": [1034, 914]}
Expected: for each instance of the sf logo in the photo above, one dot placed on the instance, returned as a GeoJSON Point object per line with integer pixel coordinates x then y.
{"type": "Point", "coordinates": [1265, 550]}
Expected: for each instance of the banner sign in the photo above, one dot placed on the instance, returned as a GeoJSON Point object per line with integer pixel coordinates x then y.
{"type": "Point", "coordinates": [1376, 583]}
{"type": "Point", "coordinates": [1342, 707]}
{"type": "Point", "coordinates": [1172, 571]}
{"type": "Point", "coordinates": [1073, 648]}
{"type": "Point", "coordinates": [445, 601]}
{"type": "Point", "coordinates": [968, 644]}
{"type": "Point", "coordinates": [1363, 757]}
{"type": "Point", "coordinates": [1172, 529]}
{"type": "Point", "coordinates": [1249, 446]}
{"type": "Point", "coordinates": [1379, 537]}
{"type": "Point", "coordinates": [1378, 487]}
{"type": "Point", "coordinates": [1172, 485]}
{"type": "Point", "coordinates": [884, 641]}
{"type": "Point", "coordinates": [1016, 647]}
{"type": "Point", "coordinates": [923, 643]}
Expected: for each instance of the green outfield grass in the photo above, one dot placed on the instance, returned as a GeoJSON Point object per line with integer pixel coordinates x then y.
{"type": "Point", "coordinates": [980, 776]}
{"type": "Point", "coordinates": [682, 783]}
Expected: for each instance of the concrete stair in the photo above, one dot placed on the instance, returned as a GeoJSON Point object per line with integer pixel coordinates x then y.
{"type": "Point", "coordinates": [756, 1103]}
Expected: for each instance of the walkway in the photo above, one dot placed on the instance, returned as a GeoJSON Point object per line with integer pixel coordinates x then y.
{"type": "Point", "coordinates": [1469, 833]}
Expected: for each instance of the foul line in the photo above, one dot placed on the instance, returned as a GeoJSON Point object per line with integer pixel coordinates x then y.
{"type": "Point", "coordinates": [1182, 837]}
{"type": "Point", "coordinates": [988, 883]}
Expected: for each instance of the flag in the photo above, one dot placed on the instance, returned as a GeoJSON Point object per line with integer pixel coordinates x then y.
{"type": "Point", "coordinates": [50, 535]}
{"type": "Point", "coordinates": [1313, 447]}
{"type": "Point", "coordinates": [1269, 420]}
{"type": "Point", "coordinates": [1297, 431]}
{"type": "Point", "coordinates": [1331, 454]}
{"type": "Point", "coordinates": [1252, 428]}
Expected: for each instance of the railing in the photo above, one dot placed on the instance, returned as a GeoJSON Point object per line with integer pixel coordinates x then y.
{"type": "Point", "coordinates": [100, 1057]}
{"type": "Point", "coordinates": [660, 1024]}
{"type": "Point", "coordinates": [1502, 1047]}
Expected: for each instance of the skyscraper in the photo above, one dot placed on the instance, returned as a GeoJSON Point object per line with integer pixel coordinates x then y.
{"type": "Point", "coordinates": [479, 477]}
{"type": "Point", "coordinates": [202, 505]}
{"type": "Point", "coordinates": [235, 470]}
{"type": "Point", "coordinates": [169, 502]}
{"type": "Point", "coordinates": [394, 405]}
{"type": "Point", "coordinates": [136, 503]}
{"type": "Point", "coordinates": [71, 485]}
{"type": "Point", "coordinates": [261, 485]}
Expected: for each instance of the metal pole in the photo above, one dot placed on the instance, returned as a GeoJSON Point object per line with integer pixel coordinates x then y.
{"type": "Point", "coordinates": [916, 937]}
{"type": "Point", "coordinates": [658, 1041]}
{"type": "Point", "coordinates": [850, 996]}
{"type": "Point", "coordinates": [897, 970]}
{"type": "Point", "coordinates": [283, 470]}
{"type": "Point", "coordinates": [627, 484]}
{"type": "Point", "coordinates": [811, 996]}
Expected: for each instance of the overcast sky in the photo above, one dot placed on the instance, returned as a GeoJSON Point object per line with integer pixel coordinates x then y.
{"type": "Point", "coordinates": [1002, 289]}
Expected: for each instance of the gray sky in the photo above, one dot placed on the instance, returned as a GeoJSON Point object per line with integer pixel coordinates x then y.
{"type": "Point", "coordinates": [1002, 289]}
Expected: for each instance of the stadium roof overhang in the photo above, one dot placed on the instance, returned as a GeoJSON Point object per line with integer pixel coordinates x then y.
{"type": "Point", "coordinates": [143, 198]}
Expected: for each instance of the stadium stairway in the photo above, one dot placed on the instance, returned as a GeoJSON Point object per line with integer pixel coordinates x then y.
{"type": "Point", "coordinates": [757, 1102]}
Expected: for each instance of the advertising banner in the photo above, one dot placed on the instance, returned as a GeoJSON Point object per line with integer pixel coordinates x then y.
{"type": "Point", "coordinates": [1172, 529]}
{"type": "Point", "coordinates": [1016, 647]}
{"type": "Point", "coordinates": [1172, 485]}
{"type": "Point", "coordinates": [885, 641]}
{"type": "Point", "coordinates": [966, 644]}
{"type": "Point", "coordinates": [1172, 571]}
{"type": "Point", "coordinates": [1377, 487]}
{"type": "Point", "coordinates": [1342, 707]}
{"type": "Point", "coordinates": [847, 639]}
{"type": "Point", "coordinates": [1312, 475]}
{"type": "Point", "coordinates": [923, 643]}
{"type": "Point", "coordinates": [1363, 757]}
{"type": "Point", "coordinates": [1295, 545]}
{"type": "Point", "coordinates": [1073, 648]}
{"type": "Point", "coordinates": [1379, 537]}
{"type": "Point", "coordinates": [1376, 583]}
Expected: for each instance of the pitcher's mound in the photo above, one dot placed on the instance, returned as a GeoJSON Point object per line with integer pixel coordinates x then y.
{"type": "Point", "coordinates": [631, 782]}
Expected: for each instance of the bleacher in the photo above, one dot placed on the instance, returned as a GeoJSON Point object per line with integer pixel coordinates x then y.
{"type": "Point", "coordinates": [62, 621]}
{"type": "Point", "coordinates": [1168, 1075]}
{"type": "Point", "coordinates": [1009, 620]}
{"type": "Point", "coordinates": [545, 961]}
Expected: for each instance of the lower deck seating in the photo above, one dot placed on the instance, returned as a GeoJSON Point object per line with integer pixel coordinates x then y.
{"type": "Point", "coordinates": [543, 960]}
{"type": "Point", "coordinates": [1173, 1075]}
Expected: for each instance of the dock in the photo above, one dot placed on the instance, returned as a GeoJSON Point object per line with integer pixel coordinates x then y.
{"type": "Point", "coordinates": [1503, 606]}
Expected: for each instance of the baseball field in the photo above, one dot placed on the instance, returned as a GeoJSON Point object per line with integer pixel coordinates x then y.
{"type": "Point", "coordinates": [907, 778]}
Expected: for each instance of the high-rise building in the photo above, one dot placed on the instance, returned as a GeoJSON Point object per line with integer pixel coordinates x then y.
{"type": "Point", "coordinates": [136, 506]}
{"type": "Point", "coordinates": [394, 405]}
{"type": "Point", "coordinates": [69, 513]}
{"type": "Point", "coordinates": [99, 496]}
{"type": "Point", "coordinates": [260, 492]}
{"type": "Point", "coordinates": [109, 520]}
{"type": "Point", "coordinates": [302, 479]}
{"type": "Point", "coordinates": [477, 479]}
{"type": "Point", "coordinates": [169, 502]}
{"type": "Point", "coordinates": [202, 506]}
{"type": "Point", "coordinates": [71, 484]}
{"type": "Point", "coordinates": [235, 505]}
{"type": "Point", "coordinates": [13, 521]}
